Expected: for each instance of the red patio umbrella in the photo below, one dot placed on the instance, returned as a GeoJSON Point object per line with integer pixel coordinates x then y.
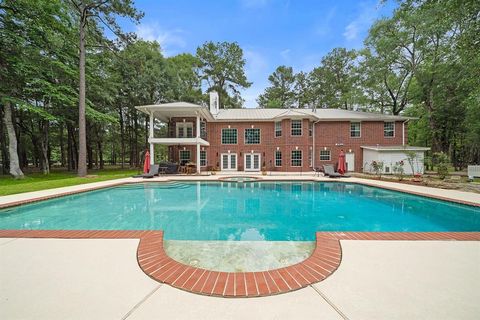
{"type": "Point", "coordinates": [146, 163]}
{"type": "Point", "coordinates": [341, 163]}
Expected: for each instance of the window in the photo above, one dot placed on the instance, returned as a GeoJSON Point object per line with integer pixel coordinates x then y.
{"type": "Point", "coordinates": [389, 129]}
{"type": "Point", "coordinates": [203, 129]}
{"type": "Point", "coordinates": [203, 158]}
{"type": "Point", "coordinates": [310, 162]}
{"type": "Point", "coordinates": [184, 156]}
{"type": "Point", "coordinates": [278, 129]}
{"type": "Point", "coordinates": [184, 129]}
{"type": "Point", "coordinates": [296, 126]}
{"type": "Point", "coordinates": [296, 158]}
{"type": "Point", "coordinates": [278, 158]}
{"type": "Point", "coordinates": [252, 136]}
{"type": "Point", "coordinates": [355, 128]}
{"type": "Point", "coordinates": [310, 128]}
{"type": "Point", "coordinates": [325, 155]}
{"type": "Point", "coordinates": [229, 136]}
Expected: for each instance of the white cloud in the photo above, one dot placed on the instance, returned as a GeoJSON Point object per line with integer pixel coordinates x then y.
{"type": "Point", "coordinates": [171, 41]}
{"type": "Point", "coordinates": [285, 54]}
{"type": "Point", "coordinates": [256, 68]}
{"type": "Point", "coordinates": [323, 27]}
{"type": "Point", "coordinates": [254, 3]}
{"type": "Point", "coordinates": [368, 12]}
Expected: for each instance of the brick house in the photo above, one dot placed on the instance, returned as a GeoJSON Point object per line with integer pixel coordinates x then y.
{"type": "Point", "coordinates": [291, 140]}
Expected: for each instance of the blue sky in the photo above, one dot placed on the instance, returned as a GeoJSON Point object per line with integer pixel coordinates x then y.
{"type": "Point", "coordinates": [270, 32]}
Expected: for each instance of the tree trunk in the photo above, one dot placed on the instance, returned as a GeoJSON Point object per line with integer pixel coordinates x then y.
{"type": "Point", "coordinates": [15, 170]}
{"type": "Point", "coordinates": [122, 137]}
{"type": "Point", "coordinates": [44, 160]}
{"type": "Point", "coordinates": [82, 136]}
{"type": "Point", "coordinates": [3, 147]}
{"type": "Point", "coordinates": [62, 145]}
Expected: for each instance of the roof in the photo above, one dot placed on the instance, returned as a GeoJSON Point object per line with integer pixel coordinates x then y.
{"type": "Point", "coordinates": [258, 114]}
{"type": "Point", "coordinates": [185, 109]}
{"type": "Point", "coordinates": [395, 148]}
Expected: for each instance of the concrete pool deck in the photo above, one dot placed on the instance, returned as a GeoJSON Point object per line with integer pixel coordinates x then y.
{"type": "Point", "coordinates": [99, 279]}
{"type": "Point", "coordinates": [375, 279]}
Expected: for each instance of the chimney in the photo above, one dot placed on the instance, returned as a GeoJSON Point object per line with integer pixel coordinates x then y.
{"type": "Point", "coordinates": [214, 108]}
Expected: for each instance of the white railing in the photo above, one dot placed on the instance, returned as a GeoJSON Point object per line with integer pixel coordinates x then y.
{"type": "Point", "coordinates": [473, 171]}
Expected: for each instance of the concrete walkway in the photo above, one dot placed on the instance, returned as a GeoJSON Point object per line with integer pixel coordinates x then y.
{"type": "Point", "coordinates": [100, 279]}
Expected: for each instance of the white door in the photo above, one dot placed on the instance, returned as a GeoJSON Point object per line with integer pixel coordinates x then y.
{"type": "Point", "coordinates": [252, 161]}
{"type": "Point", "coordinates": [350, 160]}
{"type": "Point", "coordinates": [229, 161]}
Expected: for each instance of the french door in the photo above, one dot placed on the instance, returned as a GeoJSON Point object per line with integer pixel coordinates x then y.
{"type": "Point", "coordinates": [229, 161]}
{"type": "Point", "coordinates": [252, 161]}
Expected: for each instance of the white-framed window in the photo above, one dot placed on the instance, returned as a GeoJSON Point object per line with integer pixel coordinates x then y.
{"type": "Point", "coordinates": [252, 136]}
{"type": "Point", "coordinates": [184, 129]}
{"type": "Point", "coordinates": [355, 129]}
{"type": "Point", "coordinates": [203, 158]}
{"type": "Point", "coordinates": [278, 129]}
{"type": "Point", "coordinates": [278, 158]}
{"type": "Point", "coordinates": [296, 127]}
{"type": "Point", "coordinates": [296, 158]}
{"type": "Point", "coordinates": [184, 156]}
{"type": "Point", "coordinates": [389, 129]}
{"type": "Point", "coordinates": [203, 129]}
{"type": "Point", "coordinates": [310, 128]}
{"type": "Point", "coordinates": [325, 155]}
{"type": "Point", "coordinates": [229, 136]}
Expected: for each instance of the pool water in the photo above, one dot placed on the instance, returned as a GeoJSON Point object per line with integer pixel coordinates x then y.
{"type": "Point", "coordinates": [269, 211]}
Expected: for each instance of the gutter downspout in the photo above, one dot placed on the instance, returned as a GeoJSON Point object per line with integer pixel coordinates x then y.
{"type": "Point", "coordinates": [313, 147]}
{"type": "Point", "coordinates": [403, 131]}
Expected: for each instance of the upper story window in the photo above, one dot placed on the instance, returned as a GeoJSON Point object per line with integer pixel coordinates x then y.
{"type": "Point", "coordinates": [278, 129]}
{"type": "Point", "coordinates": [229, 136]}
{"type": "Point", "coordinates": [278, 158]}
{"type": "Point", "coordinates": [355, 129]}
{"type": "Point", "coordinates": [184, 129]}
{"type": "Point", "coordinates": [203, 129]}
{"type": "Point", "coordinates": [325, 155]}
{"type": "Point", "coordinates": [296, 127]}
{"type": "Point", "coordinates": [389, 129]}
{"type": "Point", "coordinates": [310, 128]}
{"type": "Point", "coordinates": [252, 136]}
{"type": "Point", "coordinates": [296, 158]}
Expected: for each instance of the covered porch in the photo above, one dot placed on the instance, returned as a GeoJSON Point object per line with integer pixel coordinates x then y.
{"type": "Point", "coordinates": [182, 128]}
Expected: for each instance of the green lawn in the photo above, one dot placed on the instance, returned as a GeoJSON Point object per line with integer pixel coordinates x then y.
{"type": "Point", "coordinates": [56, 179]}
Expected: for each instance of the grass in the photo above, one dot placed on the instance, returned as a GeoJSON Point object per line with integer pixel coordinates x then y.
{"type": "Point", "coordinates": [57, 179]}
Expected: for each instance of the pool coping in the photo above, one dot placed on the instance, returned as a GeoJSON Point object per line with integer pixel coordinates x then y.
{"type": "Point", "coordinates": [220, 179]}
{"type": "Point", "coordinates": [323, 262]}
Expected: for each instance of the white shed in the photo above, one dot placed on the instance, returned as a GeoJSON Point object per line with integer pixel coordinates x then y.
{"type": "Point", "coordinates": [390, 155]}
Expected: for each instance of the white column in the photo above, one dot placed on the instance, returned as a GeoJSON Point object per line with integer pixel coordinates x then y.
{"type": "Point", "coordinates": [152, 149]}
{"type": "Point", "coordinates": [198, 143]}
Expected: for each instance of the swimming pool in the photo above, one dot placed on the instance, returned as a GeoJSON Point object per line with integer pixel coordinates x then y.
{"type": "Point", "coordinates": [269, 211]}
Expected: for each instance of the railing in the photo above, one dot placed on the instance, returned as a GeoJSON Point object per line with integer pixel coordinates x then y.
{"type": "Point", "coordinates": [473, 172]}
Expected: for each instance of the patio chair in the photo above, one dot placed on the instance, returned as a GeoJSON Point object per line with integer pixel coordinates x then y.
{"type": "Point", "coordinates": [317, 171]}
{"type": "Point", "coordinates": [328, 170]}
{"type": "Point", "coordinates": [152, 172]}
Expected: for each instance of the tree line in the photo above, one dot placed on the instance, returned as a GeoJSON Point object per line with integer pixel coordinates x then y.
{"type": "Point", "coordinates": [70, 78]}
{"type": "Point", "coordinates": [423, 62]}
{"type": "Point", "coordinates": [68, 91]}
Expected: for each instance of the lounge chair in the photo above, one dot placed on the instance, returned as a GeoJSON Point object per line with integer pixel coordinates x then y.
{"type": "Point", "coordinates": [152, 172]}
{"type": "Point", "coordinates": [328, 170]}
{"type": "Point", "coordinates": [317, 171]}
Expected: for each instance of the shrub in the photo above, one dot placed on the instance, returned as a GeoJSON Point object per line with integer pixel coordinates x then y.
{"type": "Point", "coordinates": [377, 167]}
{"type": "Point", "coordinates": [442, 162]}
{"type": "Point", "coordinates": [398, 170]}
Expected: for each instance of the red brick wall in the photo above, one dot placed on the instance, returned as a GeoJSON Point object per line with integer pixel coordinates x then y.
{"type": "Point", "coordinates": [333, 134]}
{"type": "Point", "coordinates": [327, 134]}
